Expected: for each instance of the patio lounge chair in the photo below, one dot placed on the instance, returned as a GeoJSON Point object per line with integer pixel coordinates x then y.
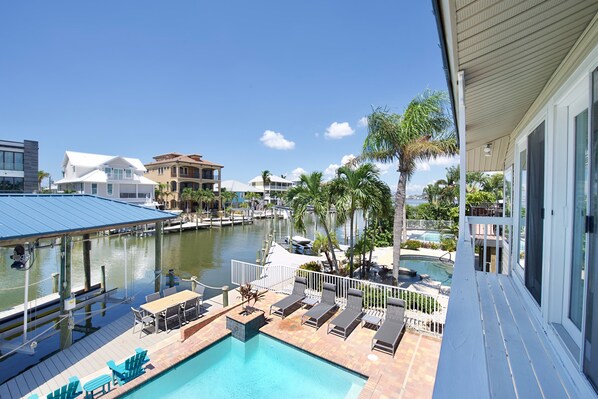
{"type": "Point", "coordinates": [169, 291]}
{"type": "Point", "coordinates": [292, 300]}
{"type": "Point", "coordinates": [387, 336]}
{"type": "Point", "coordinates": [68, 391]}
{"type": "Point", "coordinates": [349, 318]}
{"type": "Point", "coordinates": [130, 369]}
{"type": "Point", "coordinates": [316, 316]}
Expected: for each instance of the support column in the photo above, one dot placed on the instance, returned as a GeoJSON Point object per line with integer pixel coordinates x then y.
{"type": "Point", "coordinates": [158, 256]}
{"type": "Point", "coordinates": [463, 232]}
{"type": "Point", "coordinates": [86, 262]}
{"type": "Point", "coordinates": [66, 337]}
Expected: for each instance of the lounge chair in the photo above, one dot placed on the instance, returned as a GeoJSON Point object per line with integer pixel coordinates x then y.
{"type": "Point", "coordinates": [152, 297]}
{"type": "Point", "coordinates": [169, 291]}
{"type": "Point", "coordinates": [130, 369]}
{"type": "Point", "coordinates": [292, 300]}
{"type": "Point", "coordinates": [316, 316]}
{"type": "Point", "coordinates": [349, 318]}
{"type": "Point", "coordinates": [387, 336]}
{"type": "Point", "coordinates": [68, 391]}
{"type": "Point", "coordinates": [141, 318]}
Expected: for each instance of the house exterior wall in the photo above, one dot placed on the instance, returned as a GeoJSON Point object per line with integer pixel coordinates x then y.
{"type": "Point", "coordinates": [18, 176]}
{"type": "Point", "coordinates": [565, 95]}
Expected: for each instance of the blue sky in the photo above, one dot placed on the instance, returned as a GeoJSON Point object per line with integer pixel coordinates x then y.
{"type": "Point", "coordinates": [250, 85]}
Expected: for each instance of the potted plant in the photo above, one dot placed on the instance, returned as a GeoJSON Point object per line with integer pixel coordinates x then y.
{"type": "Point", "coordinates": [248, 294]}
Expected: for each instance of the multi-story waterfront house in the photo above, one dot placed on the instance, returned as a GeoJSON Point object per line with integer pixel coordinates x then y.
{"type": "Point", "coordinates": [107, 176]}
{"type": "Point", "coordinates": [275, 188]}
{"type": "Point", "coordinates": [180, 171]}
{"type": "Point", "coordinates": [523, 82]}
{"type": "Point", "coordinates": [18, 166]}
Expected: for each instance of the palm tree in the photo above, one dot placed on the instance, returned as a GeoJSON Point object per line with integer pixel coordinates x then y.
{"type": "Point", "coordinates": [41, 175]}
{"type": "Point", "coordinates": [187, 196]}
{"type": "Point", "coordinates": [352, 187]}
{"type": "Point", "coordinates": [320, 244]}
{"type": "Point", "coordinates": [161, 192]}
{"type": "Point", "coordinates": [203, 196]}
{"type": "Point", "coordinates": [420, 133]}
{"type": "Point", "coordinates": [433, 193]}
{"type": "Point", "coordinates": [312, 191]}
{"type": "Point", "coordinates": [266, 179]}
{"type": "Point", "coordinates": [376, 208]}
{"type": "Point", "coordinates": [228, 197]}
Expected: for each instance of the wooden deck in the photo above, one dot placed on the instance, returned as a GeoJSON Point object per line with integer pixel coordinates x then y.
{"type": "Point", "coordinates": [87, 357]}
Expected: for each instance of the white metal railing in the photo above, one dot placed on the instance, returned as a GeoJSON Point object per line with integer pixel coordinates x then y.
{"type": "Point", "coordinates": [424, 312]}
{"type": "Point", "coordinates": [492, 237]}
{"type": "Point", "coordinates": [417, 224]}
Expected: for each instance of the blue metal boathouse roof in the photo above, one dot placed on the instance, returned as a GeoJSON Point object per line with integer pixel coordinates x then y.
{"type": "Point", "coordinates": [32, 216]}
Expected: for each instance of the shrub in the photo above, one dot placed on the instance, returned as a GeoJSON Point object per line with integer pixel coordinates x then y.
{"type": "Point", "coordinates": [448, 244]}
{"type": "Point", "coordinates": [420, 302]}
{"type": "Point", "coordinates": [311, 266]}
{"type": "Point", "coordinates": [412, 244]}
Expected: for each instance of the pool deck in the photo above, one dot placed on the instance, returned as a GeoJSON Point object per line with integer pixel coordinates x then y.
{"type": "Point", "coordinates": [409, 374]}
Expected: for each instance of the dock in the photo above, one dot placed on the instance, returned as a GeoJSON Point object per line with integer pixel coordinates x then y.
{"type": "Point", "coordinates": [207, 224]}
{"type": "Point", "coordinates": [86, 358]}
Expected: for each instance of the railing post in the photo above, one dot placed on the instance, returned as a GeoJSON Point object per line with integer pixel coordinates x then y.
{"type": "Point", "coordinates": [225, 296]}
{"type": "Point", "coordinates": [103, 278]}
{"type": "Point", "coordinates": [171, 278]}
{"type": "Point", "coordinates": [55, 282]}
{"type": "Point", "coordinates": [193, 283]}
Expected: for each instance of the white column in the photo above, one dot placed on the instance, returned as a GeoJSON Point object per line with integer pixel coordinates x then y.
{"type": "Point", "coordinates": [462, 154]}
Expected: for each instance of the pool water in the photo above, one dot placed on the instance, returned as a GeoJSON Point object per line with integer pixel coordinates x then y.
{"type": "Point", "coordinates": [436, 269]}
{"type": "Point", "coordinates": [262, 367]}
{"type": "Point", "coordinates": [431, 237]}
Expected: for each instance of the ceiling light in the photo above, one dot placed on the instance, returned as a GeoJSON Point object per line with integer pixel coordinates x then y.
{"type": "Point", "coordinates": [488, 150]}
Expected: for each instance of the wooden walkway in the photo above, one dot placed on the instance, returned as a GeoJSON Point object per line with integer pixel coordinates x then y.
{"type": "Point", "coordinates": [518, 357]}
{"type": "Point", "coordinates": [86, 358]}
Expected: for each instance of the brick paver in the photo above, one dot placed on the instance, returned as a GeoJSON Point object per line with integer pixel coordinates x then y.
{"type": "Point", "coordinates": [409, 374]}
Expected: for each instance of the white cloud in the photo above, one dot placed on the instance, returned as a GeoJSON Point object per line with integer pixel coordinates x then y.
{"type": "Point", "coordinates": [414, 189]}
{"type": "Point", "coordinates": [338, 130]}
{"type": "Point", "coordinates": [347, 158]}
{"type": "Point", "coordinates": [294, 175]}
{"type": "Point", "coordinates": [330, 171]}
{"type": "Point", "coordinates": [383, 167]}
{"type": "Point", "coordinates": [440, 161]}
{"type": "Point", "coordinates": [276, 140]}
{"type": "Point", "coordinates": [362, 122]}
{"type": "Point", "coordinates": [423, 166]}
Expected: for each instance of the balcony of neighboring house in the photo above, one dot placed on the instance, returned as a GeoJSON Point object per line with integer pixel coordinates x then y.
{"type": "Point", "coordinates": [189, 172]}
{"type": "Point", "coordinates": [494, 343]}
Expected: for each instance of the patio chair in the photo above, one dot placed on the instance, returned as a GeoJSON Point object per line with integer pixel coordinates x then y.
{"type": "Point", "coordinates": [292, 300]}
{"type": "Point", "coordinates": [316, 316]}
{"type": "Point", "coordinates": [200, 289]}
{"type": "Point", "coordinates": [143, 319]}
{"type": "Point", "coordinates": [387, 337]}
{"type": "Point", "coordinates": [171, 315]}
{"type": "Point", "coordinates": [152, 297]}
{"type": "Point", "coordinates": [349, 318]}
{"type": "Point", "coordinates": [130, 368]}
{"type": "Point", "coordinates": [169, 291]}
{"type": "Point", "coordinates": [68, 391]}
{"type": "Point", "coordinates": [190, 309]}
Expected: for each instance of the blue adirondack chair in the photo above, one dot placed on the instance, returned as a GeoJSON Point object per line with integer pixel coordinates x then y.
{"type": "Point", "coordinates": [68, 391]}
{"type": "Point", "coordinates": [130, 369]}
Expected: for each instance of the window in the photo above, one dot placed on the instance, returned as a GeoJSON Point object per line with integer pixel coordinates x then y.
{"type": "Point", "coordinates": [2, 160]}
{"type": "Point", "coordinates": [9, 160]}
{"type": "Point", "coordinates": [18, 161]}
{"type": "Point", "coordinates": [522, 205]}
{"type": "Point", "coordinates": [118, 174]}
{"type": "Point", "coordinates": [128, 173]}
{"type": "Point", "coordinates": [108, 172]}
{"type": "Point", "coordinates": [94, 189]}
{"type": "Point", "coordinates": [11, 184]}
{"type": "Point", "coordinates": [109, 189]}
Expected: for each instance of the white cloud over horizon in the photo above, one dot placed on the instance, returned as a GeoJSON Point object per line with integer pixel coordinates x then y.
{"type": "Point", "coordinates": [338, 130]}
{"type": "Point", "coordinates": [295, 173]}
{"type": "Point", "coordinates": [363, 121]}
{"type": "Point", "coordinates": [272, 139]}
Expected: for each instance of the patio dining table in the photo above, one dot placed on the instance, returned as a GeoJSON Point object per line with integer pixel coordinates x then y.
{"type": "Point", "coordinates": [158, 306]}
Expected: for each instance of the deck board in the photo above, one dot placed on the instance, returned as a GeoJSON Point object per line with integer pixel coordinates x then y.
{"type": "Point", "coordinates": [499, 373]}
{"type": "Point", "coordinates": [550, 379]}
{"type": "Point", "coordinates": [525, 380]}
{"type": "Point", "coordinates": [86, 357]}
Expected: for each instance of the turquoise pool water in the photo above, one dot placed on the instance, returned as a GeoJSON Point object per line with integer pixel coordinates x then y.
{"type": "Point", "coordinates": [259, 368]}
{"type": "Point", "coordinates": [437, 270]}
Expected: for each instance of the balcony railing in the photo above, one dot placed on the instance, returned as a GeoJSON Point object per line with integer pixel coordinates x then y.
{"type": "Point", "coordinates": [133, 195]}
{"type": "Point", "coordinates": [424, 312]}
{"type": "Point", "coordinates": [438, 225]}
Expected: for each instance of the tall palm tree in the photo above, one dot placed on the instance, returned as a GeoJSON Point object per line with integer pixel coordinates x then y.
{"type": "Point", "coordinates": [228, 197]}
{"type": "Point", "coordinates": [312, 192]}
{"type": "Point", "coordinates": [422, 132]}
{"type": "Point", "coordinates": [376, 208]}
{"type": "Point", "coordinates": [203, 196]}
{"type": "Point", "coordinates": [352, 187]}
{"type": "Point", "coordinates": [265, 179]}
{"type": "Point", "coordinates": [41, 175]}
{"type": "Point", "coordinates": [161, 192]}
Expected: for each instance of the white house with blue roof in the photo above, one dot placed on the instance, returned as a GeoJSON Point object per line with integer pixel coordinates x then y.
{"type": "Point", "coordinates": [108, 176]}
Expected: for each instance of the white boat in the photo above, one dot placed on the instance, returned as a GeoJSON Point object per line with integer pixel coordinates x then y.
{"type": "Point", "coordinates": [299, 240]}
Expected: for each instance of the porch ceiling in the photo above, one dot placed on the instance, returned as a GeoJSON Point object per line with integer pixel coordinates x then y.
{"type": "Point", "coordinates": [508, 50]}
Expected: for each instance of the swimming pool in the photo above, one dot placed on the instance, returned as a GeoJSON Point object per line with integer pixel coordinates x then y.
{"type": "Point", "coordinates": [436, 269]}
{"type": "Point", "coordinates": [262, 367]}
